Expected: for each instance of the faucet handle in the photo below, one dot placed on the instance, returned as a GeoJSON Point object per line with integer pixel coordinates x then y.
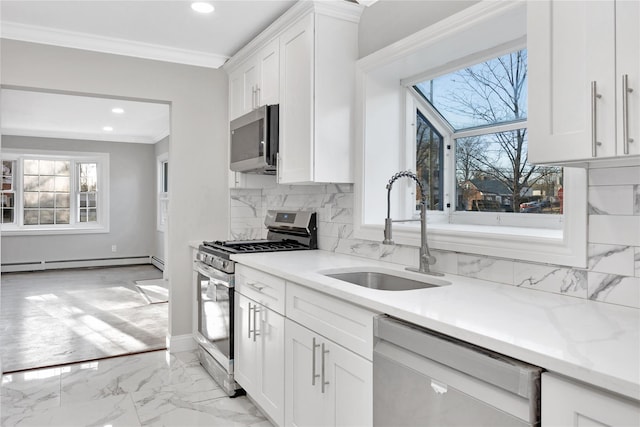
{"type": "Point", "coordinates": [429, 258]}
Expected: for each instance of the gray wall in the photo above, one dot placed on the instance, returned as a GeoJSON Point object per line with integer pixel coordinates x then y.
{"type": "Point", "coordinates": [198, 151]}
{"type": "Point", "coordinates": [132, 206]}
{"type": "Point", "coordinates": [387, 21]}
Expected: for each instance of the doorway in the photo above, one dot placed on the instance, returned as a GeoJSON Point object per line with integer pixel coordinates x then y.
{"type": "Point", "coordinates": [81, 217]}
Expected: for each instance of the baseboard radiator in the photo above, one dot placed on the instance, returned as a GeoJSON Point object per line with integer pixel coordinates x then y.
{"type": "Point", "coordinates": [78, 263]}
{"type": "Point", "coordinates": [157, 262]}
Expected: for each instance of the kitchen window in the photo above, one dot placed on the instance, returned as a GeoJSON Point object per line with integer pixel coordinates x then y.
{"type": "Point", "coordinates": [47, 192]}
{"type": "Point", "coordinates": [481, 110]}
{"type": "Point", "coordinates": [427, 103]}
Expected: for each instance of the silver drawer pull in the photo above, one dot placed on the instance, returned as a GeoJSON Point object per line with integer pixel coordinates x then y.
{"type": "Point", "coordinates": [626, 90]}
{"type": "Point", "coordinates": [249, 321]}
{"type": "Point", "coordinates": [256, 312]}
{"type": "Point", "coordinates": [255, 286]}
{"type": "Point", "coordinates": [594, 126]}
{"type": "Point", "coordinates": [323, 382]}
{"type": "Point", "coordinates": [313, 362]}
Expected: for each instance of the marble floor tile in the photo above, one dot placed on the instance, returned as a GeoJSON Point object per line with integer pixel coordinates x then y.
{"type": "Point", "coordinates": [168, 409]}
{"type": "Point", "coordinates": [76, 315]}
{"type": "Point", "coordinates": [115, 411]}
{"type": "Point", "coordinates": [150, 389]}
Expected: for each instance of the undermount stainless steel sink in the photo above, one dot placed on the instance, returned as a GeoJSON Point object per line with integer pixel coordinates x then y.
{"type": "Point", "coordinates": [384, 281]}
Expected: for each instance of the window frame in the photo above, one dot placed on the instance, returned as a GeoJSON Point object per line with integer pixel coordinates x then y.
{"type": "Point", "coordinates": [75, 226]}
{"type": "Point", "coordinates": [11, 191]}
{"type": "Point", "coordinates": [449, 214]}
{"type": "Point", "coordinates": [162, 192]}
{"type": "Point", "coordinates": [379, 94]}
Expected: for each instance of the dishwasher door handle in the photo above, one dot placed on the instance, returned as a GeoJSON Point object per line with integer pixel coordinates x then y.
{"type": "Point", "coordinates": [496, 369]}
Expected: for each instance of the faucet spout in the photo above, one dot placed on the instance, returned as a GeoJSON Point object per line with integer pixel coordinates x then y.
{"type": "Point", "coordinates": [426, 259]}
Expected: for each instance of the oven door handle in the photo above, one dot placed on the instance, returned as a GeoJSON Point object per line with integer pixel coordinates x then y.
{"type": "Point", "coordinates": [220, 278]}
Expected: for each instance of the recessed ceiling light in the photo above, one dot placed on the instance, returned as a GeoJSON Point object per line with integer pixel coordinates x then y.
{"type": "Point", "coordinates": [202, 7]}
{"type": "Point", "coordinates": [117, 110]}
{"type": "Point", "coordinates": [107, 128]}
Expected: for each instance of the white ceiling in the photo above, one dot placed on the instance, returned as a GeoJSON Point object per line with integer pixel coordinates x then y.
{"type": "Point", "coordinates": [162, 30]}
{"type": "Point", "coordinates": [51, 115]}
{"type": "Point", "coordinates": [166, 30]}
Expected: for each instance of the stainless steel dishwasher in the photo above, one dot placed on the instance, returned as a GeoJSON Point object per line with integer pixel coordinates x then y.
{"type": "Point", "coordinates": [422, 378]}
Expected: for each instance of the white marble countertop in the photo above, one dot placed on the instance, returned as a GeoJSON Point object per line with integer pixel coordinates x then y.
{"type": "Point", "coordinates": [594, 342]}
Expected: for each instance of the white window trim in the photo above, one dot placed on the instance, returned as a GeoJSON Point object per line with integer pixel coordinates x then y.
{"type": "Point", "coordinates": [162, 197]}
{"type": "Point", "coordinates": [380, 74]}
{"type": "Point", "coordinates": [102, 226]}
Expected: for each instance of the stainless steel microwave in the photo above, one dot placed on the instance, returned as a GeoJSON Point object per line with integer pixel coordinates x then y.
{"type": "Point", "coordinates": [254, 141]}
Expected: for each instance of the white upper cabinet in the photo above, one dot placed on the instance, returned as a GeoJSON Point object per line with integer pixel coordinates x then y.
{"type": "Point", "coordinates": [305, 62]}
{"type": "Point", "coordinates": [317, 81]}
{"type": "Point", "coordinates": [255, 82]}
{"type": "Point", "coordinates": [628, 76]}
{"type": "Point", "coordinates": [578, 55]}
{"type": "Point", "coordinates": [268, 85]}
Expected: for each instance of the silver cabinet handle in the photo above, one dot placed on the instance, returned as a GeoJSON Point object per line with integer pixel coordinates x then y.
{"type": "Point", "coordinates": [323, 382]}
{"type": "Point", "coordinates": [313, 362]}
{"type": "Point", "coordinates": [249, 321]}
{"type": "Point", "coordinates": [253, 97]}
{"type": "Point", "coordinates": [278, 168]}
{"type": "Point", "coordinates": [594, 126]}
{"type": "Point", "coordinates": [626, 90]}
{"type": "Point", "coordinates": [256, 286]}
{"type": "Point", "coordinates": [257, 96]}
{"type": "Point", "coordinates": [256, 312]}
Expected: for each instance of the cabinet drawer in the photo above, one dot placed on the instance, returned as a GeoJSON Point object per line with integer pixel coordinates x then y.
{"type": "Point", "coordinates": [346, 324]}
{"type": "Point", "coordinates": [261, 287]}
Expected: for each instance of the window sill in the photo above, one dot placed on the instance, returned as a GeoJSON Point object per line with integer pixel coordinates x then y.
{"type": "Point", "coordinates": [10, 232]}
{"type": "Point", "coordinates": [522, 243]}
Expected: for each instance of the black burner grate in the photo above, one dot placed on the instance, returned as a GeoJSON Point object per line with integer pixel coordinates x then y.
{"type": "Point", "coordinates": [248, 246]}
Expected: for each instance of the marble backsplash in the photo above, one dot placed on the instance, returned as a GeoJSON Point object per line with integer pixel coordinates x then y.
{"type": "Point", "coordinates": [612, 275]}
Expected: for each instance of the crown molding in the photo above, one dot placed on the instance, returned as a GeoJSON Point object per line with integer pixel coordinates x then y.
{"type": "Point", "coordinates": [85, 41]}
{"type": "Point", "coordinates": [86, 136]}
{"type": "Point", "coordinates": [338, 9]}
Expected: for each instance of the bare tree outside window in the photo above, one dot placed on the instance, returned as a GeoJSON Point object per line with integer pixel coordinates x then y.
{"type": "Point", "coordinates": [492, 168]}
{"type": "Point", "coordinates": [429, 153]}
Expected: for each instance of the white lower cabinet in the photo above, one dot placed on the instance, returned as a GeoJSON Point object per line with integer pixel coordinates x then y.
{"type": "Point", "coordinates": [325, 384]}
{"type": "Point", "coordinates": [566, 403]}
{"type": "Point", "coordinates": [259, 355]}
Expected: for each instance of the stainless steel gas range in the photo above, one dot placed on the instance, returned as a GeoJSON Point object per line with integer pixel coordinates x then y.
{"type": "Point", "coordinates": [287, 231]}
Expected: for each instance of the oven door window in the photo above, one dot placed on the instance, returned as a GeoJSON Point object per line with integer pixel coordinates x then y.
{"type": "Point", "coordinates": [214, 312]}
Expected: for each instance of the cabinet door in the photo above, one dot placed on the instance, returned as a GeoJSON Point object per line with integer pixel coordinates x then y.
{"type": "Point", "coordinates": [245, 349]}
{"type": "Point", "coordinates": [250, 84]}
{"type": "Point", "coordinates": [349, 392]}
{"type": "Point", "coordinates": [296, 102]}
{"type": "Point", "coordinates": [628, 64]}
{"type": "Point", "coordinates": [570, 45]}
{"type": "Point", "coordinates": [566, 404]}
{"type": "Point", "coordinates": [303, 398]}
{"type": "Point", "coordinates": [346, 399]}
{"type": "Point", "coordinates": [269, 65]}
{"type": "Point", "coordinates": [271, 364]}
{"type": "Point", "coordinates": [236, 94]}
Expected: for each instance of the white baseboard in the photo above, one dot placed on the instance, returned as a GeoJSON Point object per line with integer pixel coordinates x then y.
{"type": "Point", "coordinates": [178, 343]}
{"type": "Point", "coordinates": [53, 265]}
